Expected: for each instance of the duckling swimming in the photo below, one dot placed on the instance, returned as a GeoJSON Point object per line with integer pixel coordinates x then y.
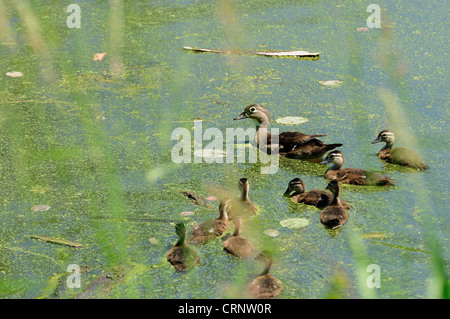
{"type": "Point", "coordinates": [211, 229]}
{"type": "Point", "coordinates": [353, 176]}
{"type": "Point", "coordinates": [243, 206]}
{"type": "Point", "coordinates": [266, 285]}
{"type": "Point", "coordinates": [237, 245]}
{"type": "Point", "coordinates": [182, 256]}
{"type": "Point", "coordinates": [334, 215]}
{"type": "Point", "coordinates": [318, 198]}
{"type": "Point", "coordinates": [290, 144]}
{"type": "Point", "coordinates": [399, 155]}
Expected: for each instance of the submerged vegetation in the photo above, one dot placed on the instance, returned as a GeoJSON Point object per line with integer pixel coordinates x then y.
{"type": "Point", "coordinates": [86, 116]}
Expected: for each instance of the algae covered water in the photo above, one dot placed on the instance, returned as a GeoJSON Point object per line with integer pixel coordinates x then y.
{"type": "Point", "coordinates": [86, 163]}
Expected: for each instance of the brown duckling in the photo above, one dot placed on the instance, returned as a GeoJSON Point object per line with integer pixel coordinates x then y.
{"type": "Point", "coordinates": [353, 176]}
{"type": "Point", "coordinates": [248, 207]}
{"type": "Point", "coordinates": [266, 285]}
{"type": "Point", "coordinates": [237, 245]}
{"type": "Point", "coordinates": [334, 215]}
{"type": "Point", "coordinates": [318, 198]}
{"type": "Point", "coordinates": [290, 144]}
{"type": "Point", "coordinates": [211, 229]}
{"type": "Point", "coordinates": [399, 155]}
{"type": "Point", "coordinates": [182, 256]}
{"type": "Point", "coordinates": [242, 206]}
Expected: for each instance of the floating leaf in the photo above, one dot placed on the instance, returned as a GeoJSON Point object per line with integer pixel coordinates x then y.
{"type": "Point", "coordinates": [211, 198]}
{"type": "Point", "coordinates": [153, 241]}
{"type": "Point", "coordinates": [294, 223]}
{"type": "Point", "coordinates": [186, 213]}
{"type": "Point", "coordinates": [377, 235]}
{"type": "Point", "coordinates": [210, 153]}
{"type": "Point", "coordinates": [57, 241]}
{"type": "Point", "coordinates": [331, 83]}
{"type": "Point", "coordinates": [291, 120]}
{"type": "Point", "coordinates": [271, 232]}
{"type": "Point", "coordinates": [362, 29]}
{"type": "Point", "coordinates": [14, 74]}
{"type": "Point", "coordinates": [40, 208]}
{"type": "Point", "coordinates": [98, 56]}
{"type": "Point", "coordinates": [279, 53]}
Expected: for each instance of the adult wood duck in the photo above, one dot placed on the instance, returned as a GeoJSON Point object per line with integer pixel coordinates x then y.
{"type": "Point", "coordinates": [238, 245]}
{"type": "Point", "coordinates": [297, 192]}
{"type": "Point", "coordinates": [182, 256]}
{"type": "Point", "coordinates": [399, 155]}
{"type": "Point", "coordinates": [266, 285]}
{"type": "Point", "coordinates": [211, 229]}
{"type": "Point", "coordinates": [353, 176]}
{"type": "Point", "coordinates": [334, 215]}
{"type": "Point", "coordinates": [290, 144]}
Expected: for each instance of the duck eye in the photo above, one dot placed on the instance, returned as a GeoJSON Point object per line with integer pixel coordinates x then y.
{"type": "Point", "coordinates": [252, 109]}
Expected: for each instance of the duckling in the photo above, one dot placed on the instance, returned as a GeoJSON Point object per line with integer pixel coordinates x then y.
{"type": "Point", "coordinates": [334, 215]}
{"type": "Point", "coordinates": [266, 285]}
{"type": "Point", "coordinates": [318, 198]}
{"type": "Point", "coordinates": [242, 207]}
{"type": "Point", "coordinates": [290, 144]}
{"type": "Point", "coordinates": [237, 245]}
{"type": "Point", "coordinates": [399, 155]}
{"type": "Point", "coordinates": [248, 207]}
{"type": "Point", "coordinates": [182, 256]}
{"type": "Point", "coordinates": [353, 176]}
{"type": "Point", "coordinates": [211, 229]}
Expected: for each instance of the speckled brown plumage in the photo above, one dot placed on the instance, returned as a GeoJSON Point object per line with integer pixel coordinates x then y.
{"type": "Point", "coordinates": [334, 215]}
{"type": "Point", "coordinates": [353, 176]}
{"type": "Point", "coordinates": [210, 229]}
{"type": "Point", "coordinates": [237, 245]}
{"type": "Point", "coordinates": [318, 198]}
{"type": "Point", "coordinates": [265, 286]}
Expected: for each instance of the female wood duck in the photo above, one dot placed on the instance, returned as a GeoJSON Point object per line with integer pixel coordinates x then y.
{"type": "Point", "coordinates": [210, 229]}
{"type": "Point", "coordinates": [237, 245]}
{"type": "Point", "coordinates": [334, 215]}
{"type": "Point", "coordinates": [266, 285]}
{"type": "Point", "coordinates": [353, 176]}
{"type": "Point", "coordinates": [320, 199]}
{"type": "Point", "coordinates": [182, 256]}
{"type": "Point", "coordinates": [399, 155]}
{"type": "Point", "coordinates": [290, 144]}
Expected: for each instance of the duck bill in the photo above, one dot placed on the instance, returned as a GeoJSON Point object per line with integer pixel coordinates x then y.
{"type": "Point", "coordinates": [377, 140]}
{"type": "Point", "coordinates": [287, 193]}
{"type": "Point", "coordinates": [241, 117]}
{"type": "Point", "coordinates": [324, 162]}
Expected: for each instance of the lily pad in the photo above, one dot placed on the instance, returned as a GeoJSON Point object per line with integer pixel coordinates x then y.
{"type": "Point", "coordinates": [211, 198]}
{"type": "Point", "coordinates": [153, 241]}
{"type": "Point", "coordinates": [40, 208]}
{"type": "Point", "coordinates": [291, 120]}
{"type": "Point", "coordinates": [271, 232]}
{"type": "Point", "coordinates": [294, 223]}
{"type": "Point", "coordinates": [332, 83]}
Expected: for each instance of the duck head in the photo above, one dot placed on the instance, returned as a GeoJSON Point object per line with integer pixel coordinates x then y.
{"type": "Point", "coordinates": [255, 112]}
{"type": "Point", "coordinates": [336, 158]}
{"type": "Point", "coordinates": [385, 136]}
{"type": "Point", "coordinates": [296, 185]}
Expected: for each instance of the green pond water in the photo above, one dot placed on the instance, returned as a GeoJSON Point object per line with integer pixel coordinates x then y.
{"type": "Point", "coordinates": [92, 140]}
